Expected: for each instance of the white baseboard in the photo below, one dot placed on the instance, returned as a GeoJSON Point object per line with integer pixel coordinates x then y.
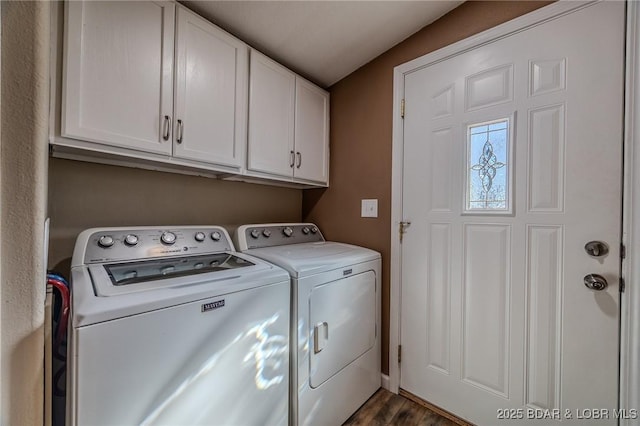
{"type": "Point", "coordinates": [385, 382]}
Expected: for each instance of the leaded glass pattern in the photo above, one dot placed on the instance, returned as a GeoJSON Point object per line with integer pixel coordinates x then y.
{"type": "Point", "coordinates": [488, 166]}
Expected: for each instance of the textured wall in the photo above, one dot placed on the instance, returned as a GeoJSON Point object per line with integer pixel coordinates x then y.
{"type": "Point", "coordinates": [86, 195]}
{"type": "Point", "coordinates": [23, 169]}
{"type": "Point", "coordinates": [361, 126]}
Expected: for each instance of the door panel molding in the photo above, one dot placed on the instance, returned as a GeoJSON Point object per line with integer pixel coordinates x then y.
{"type": "Point", "coordinates": [630, 299]}
{"type": "Point", "coordinates": [544, 288]}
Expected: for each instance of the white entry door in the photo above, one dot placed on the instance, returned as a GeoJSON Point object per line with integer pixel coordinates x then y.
{"type": "Point", "coordinates": [512, 163]}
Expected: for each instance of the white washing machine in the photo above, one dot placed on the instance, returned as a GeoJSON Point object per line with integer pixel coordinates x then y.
{"type": "Point", "coordinates": [335, 318]}
{"type": "Point", "coordinates": [171, 326]}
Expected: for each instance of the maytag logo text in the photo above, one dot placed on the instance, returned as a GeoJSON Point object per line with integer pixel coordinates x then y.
{"type": "Point", "coordinates": [212, 305]}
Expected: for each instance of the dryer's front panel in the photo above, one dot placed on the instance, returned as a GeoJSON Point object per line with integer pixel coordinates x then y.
{"type": "Point", "coordinates": [342, 317]}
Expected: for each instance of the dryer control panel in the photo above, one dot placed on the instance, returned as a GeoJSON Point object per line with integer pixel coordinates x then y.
{"type": "Point", "coordinates": [276, 234]}
{"type": "Point", "coordinates": [114, 244]}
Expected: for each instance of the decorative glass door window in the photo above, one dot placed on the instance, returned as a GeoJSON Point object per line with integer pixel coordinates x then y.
{"type": "Point", "coordinates": [488, 167]}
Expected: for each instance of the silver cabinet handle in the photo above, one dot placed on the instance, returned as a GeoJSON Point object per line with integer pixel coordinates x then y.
{"type": "Point", "coordinates": [292, 159]}
{"type": "Point", "coordinates": [299, 155]}
{"type": "Point", "coordinates": [180, 130]}
{"type": "Point", "coordinates": [166, 128]}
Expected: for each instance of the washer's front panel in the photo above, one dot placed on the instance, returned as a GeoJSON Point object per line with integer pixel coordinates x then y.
{"type": "Point", "coordinates": [222, 360]}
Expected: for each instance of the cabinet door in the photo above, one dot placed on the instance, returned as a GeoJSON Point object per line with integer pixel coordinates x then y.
{"type": "Point", "coordinates": [211, 93]}
{"type": "Point", "coordinates": [271, 109]}
{"type": "Point", "coordinates": [119, 73]}
{"type": "Point", "coordinates": [311, 132]}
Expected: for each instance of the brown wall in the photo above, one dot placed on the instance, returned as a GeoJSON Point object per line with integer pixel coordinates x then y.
{"type": "Point", "coordinates": [361, 126]}
{"type": "Point", "coordinates": [85, 195]}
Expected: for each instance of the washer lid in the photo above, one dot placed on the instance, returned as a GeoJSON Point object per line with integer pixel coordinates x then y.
{"type": "Point", "coordinates": [96, 299]}
{"type": "Point", "coordinates": [302, 260]}
{"type": "Point", "coordinates": [125, 277]}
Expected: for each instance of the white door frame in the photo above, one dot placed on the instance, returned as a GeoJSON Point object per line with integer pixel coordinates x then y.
{"type": "Point", "coordinates": [630, 300]}
{"type": "Point", "coordinates": [630, 303]}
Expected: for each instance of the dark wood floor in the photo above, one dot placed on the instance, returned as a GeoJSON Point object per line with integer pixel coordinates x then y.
{"type": "Point", "coordinates": [386, 408]}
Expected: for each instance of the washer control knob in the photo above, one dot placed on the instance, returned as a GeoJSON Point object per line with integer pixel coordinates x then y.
{"type": "Point", "coordinates": [305, 230]}
{"type": "Point", "coordinates": [266, 233]}
{"type": "Point", "coordinates": [287, 231]}
{"type": "Point", "coordinates": [200, 237]}
{"type": "Point", "coordinates": [168, 237]}
{"type": "Point", "coordinates": [105, 241]}
{"type": "Point", "coordinates": [255, 233]}
{"type": "Point", "coordinates": [131, 240]}
{"type": "Point", "coordinates": [215, 236]}
{"type": "Point", "coordinates": [314, 229]}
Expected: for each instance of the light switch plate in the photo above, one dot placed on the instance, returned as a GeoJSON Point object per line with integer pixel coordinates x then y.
{"type": "Point", "coordinates": [369, 208]}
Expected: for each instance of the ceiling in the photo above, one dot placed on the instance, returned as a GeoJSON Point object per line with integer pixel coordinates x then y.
{"type": "Point", "coordinates": [322, 40]}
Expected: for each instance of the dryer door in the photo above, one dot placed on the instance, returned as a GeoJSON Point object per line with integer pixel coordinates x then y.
{"type": "Point", "coordinates": [343, 326]}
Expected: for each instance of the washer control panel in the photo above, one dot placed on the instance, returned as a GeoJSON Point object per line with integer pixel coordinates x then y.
{"type": "Point", "coordinates": [269, 235]}
{"type": "Point", "coordinates": [113, 244]}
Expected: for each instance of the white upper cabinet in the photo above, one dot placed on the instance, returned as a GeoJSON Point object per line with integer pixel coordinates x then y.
{"type": "Point", "coordinates": [288, 124]}
{"type": "Point", "coordinates": [311, 132]}
{"type": "Point", "coordinates": [118, 77]}
{"type": "Point", "coordinates": [151, 84]}
{"type": "Point", "coordinates": [271, 116]}
{"type": "Point", "coordinates": [210, 93]}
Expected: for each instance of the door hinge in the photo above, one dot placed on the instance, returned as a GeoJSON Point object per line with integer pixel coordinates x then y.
{"type": "Point", "coordinates": [402, 108]}
{"type": "Point", "coordinates": [623, 251]}
{"type": "Point", "coordinates": [622, 285]}
{"type": "Point", "coordinates": [399, 354]}
{"type": "Point", "coordinates": [403, 228]}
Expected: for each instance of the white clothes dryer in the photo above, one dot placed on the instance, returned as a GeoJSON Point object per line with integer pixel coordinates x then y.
{"type": "Point", "coordinates": [171, 326]}
{"type": "Point", "coordinates": [335, 318]}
